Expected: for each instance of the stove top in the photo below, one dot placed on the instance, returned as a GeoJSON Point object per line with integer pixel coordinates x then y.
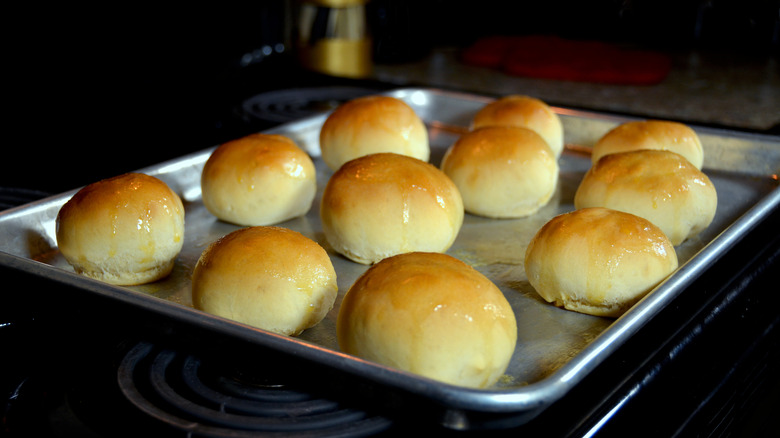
{"type": "Point", "coordinates": [111, 384]}
{"type": "Point", "coordinates": [71, 374]}
{"type": "Point", "coordinates": [204, 398]}
{"type": "Point", "coordinates": [144, 388]}
{"type": "Point", "coordinates": [290, 104]}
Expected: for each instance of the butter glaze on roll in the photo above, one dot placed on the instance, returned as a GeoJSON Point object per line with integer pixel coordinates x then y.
{"type": "Point", "coordinates": [369, 125]}
{"type": "Point", "coordinates": [260, 179]}
{"type": "Point", "coordinates": [502, 171]}
{"type": "Point", "coordinates": [267, 277]}
{"type": "Point", "coordinates": [432, 315]}
{"type": "Point", "coordinates": [651, 134]}
{"type": "Point", "coordinates": [598, 261]}
{"type": "Point", "coordinates": [660, 186]}
{"type": "Point", "coordinates": [524, 112]}
{"type": "Point", "coordinates": [125, 230]}
{"type": "Point", "coordinates": [380, 205]}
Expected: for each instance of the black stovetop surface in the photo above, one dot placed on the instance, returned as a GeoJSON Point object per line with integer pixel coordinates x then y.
{"type": "Point", "coordinates": [707, 366]}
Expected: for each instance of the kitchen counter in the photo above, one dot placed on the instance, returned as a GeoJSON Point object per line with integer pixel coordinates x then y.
{"type": "Point", "coordinates": [722, 90]}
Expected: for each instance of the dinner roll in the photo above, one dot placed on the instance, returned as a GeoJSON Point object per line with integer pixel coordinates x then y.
{"type": "Point", "coordinates": [660, 186]}
{"type": "Point", "coordinates": [385, 204]}
{"type": "Point", "coordinates": [429, 314]}
{"type": "Point", "coordinates": [502, 171]}
{"type": "Point", "coordinates": [125, 230]}
{"type": "Point", "coordinates": [268, 277]}
{"type": "Point", "coordinates": [260, 179]}
{"type": "Point", "coordinates": [525, 112]}
{"type": "Point", "coordinates": [372, 124]}
{"type": "Point", "coordinates": [598, 261]}
{"type": "Point", "coordinates": [651, 134]}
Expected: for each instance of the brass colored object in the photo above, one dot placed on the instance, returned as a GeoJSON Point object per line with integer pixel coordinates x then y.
{"type": "Point", "coordinates": [333, 37]}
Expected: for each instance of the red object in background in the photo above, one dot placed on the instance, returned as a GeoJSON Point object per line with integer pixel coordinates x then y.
{"type": "Point", "coordinates": [553, 57]}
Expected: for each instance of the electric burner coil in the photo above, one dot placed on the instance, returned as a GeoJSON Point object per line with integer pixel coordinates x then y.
{"type": "Point", "coordinates": [179, 391]}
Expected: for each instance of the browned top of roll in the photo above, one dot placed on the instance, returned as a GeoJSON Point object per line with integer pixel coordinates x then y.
{"type": "Point", "coordinates": [651, 134]}
{"type": "Point", "coordinates": [598, 260]}
{"type": "Point", "coordinates": [661, 186]}
{"type": "Point", "coordinates": [372, 124]}
{"type": "Point", "coordinates": [121, 191]}
{"type": "Point", "coordinates": [384, 204]}
{"type": "Point", "coordinates": [122, 230]}
{"type": "Point", "coordinates": [269, 277]}
{"type": "Point", "coordinates": [430, 314]}
{"type": "Point", "coordinates": [524, 112]}
{"type": "Point", "coordinates": [259, 179]}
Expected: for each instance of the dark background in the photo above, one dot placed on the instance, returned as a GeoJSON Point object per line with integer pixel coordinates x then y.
{"type": "Point", "coordinates": [94, 91]}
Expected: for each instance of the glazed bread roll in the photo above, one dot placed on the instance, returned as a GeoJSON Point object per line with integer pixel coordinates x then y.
{"type": "Point", "coordinates": [268, 277]}
{"type": "Point", "coordinates": [502, 171]}
{"type": "Point", "coordinates": [125, 230]}
{"type": "Point", "coordinates": [524, 112]}
{"type": "Point", "coordinates": [651, 134]}
{"type": "Point", "coordinates": [432, 315]}
{"type": "Point", "coordinates": [260, 179]}
{"type": "Point", "coordinates": [369, 125]}
{"type": "Point", "coordinates": [598, 261]}
{"type": "Point", "coordinates": [660, 186]}
{"type": "Point", "coordinates": [385, 204]}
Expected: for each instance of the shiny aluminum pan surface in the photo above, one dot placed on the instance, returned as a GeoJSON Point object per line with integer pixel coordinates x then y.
{"type": "Point", "coordinates": [555, 348]}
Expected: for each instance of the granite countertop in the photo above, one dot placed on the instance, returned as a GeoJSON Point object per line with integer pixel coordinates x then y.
{"type": "Point", "coordinates": [722, 90]}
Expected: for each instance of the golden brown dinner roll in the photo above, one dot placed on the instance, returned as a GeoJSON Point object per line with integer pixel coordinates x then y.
{"type": "Point", "coordinates": [267, 277]}
{"type": "Point", "coordinates": [651, 134]}
{"type": "Point", "coordinates": [660, 186]}
{"type": "Point", "coordinates": [429, 314]}
{"type": "Point", "coordinates": [372, 124]}
{"type": "Point", "coordinates": [260, 179]}
{"type": "Point", "coordinates": [125, 230]}
{"type": "Point", "coordinates": [525, 112]}
{"type": "Point", "coordinates": [385, 204]}
{"type": "Point", "coordinates": [502, 171]}
{"type": "Point", "coordinates": [598, 261]}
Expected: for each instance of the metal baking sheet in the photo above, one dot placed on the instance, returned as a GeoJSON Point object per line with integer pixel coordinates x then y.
{"type": "Point", "coordinates": [555, 347]}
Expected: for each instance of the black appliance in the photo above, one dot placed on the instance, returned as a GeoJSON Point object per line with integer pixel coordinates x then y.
{"type": "Point", "coordinates": [706, 366]}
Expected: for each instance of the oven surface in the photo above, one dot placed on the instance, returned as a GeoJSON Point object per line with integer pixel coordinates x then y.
{"type": "Point", "coordinates": [69, 371]}
{"type": "Point", "coordinates": [556, 348]}
{"type": "Point", "coordinates": [128, 370]}
{"type": "Point", "coordinates": [85, 366]}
